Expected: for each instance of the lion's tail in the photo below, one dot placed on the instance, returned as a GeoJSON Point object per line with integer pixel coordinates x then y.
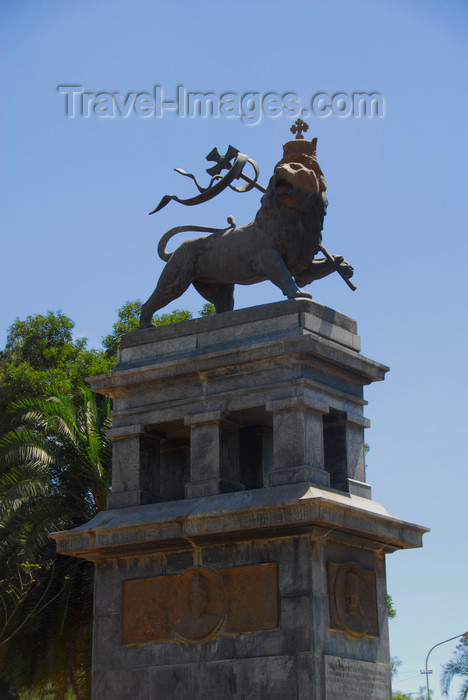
{"type": "Point", "coordinates": [162, 252]}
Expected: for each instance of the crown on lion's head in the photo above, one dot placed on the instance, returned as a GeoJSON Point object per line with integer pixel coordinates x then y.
{"type": "Point", "coordinates": [299, 166]}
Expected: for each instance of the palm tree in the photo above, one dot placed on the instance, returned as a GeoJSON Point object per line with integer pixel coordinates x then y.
{"type": "Point", "coordinates": [457, 666]}
{"type": "Point", "coordinates": [55, 471]}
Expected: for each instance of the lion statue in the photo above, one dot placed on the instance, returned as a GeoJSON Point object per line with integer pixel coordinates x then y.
{"type": "Point", "coordinates": [279, 245]}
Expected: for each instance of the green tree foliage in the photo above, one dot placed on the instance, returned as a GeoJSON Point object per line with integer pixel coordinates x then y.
{"type": "Point", "coordinates": [457, 667]}
{"type": "Point", "coordinates": [55, 475]}
{"type": "Point", "coordinates": [41, 357]}
{"type": "Point", "coordinates": [128, 321]}
{"type": "Point", "coordinates": [207, 310]}
{"type": "Point", "coordinates": [395, 664]}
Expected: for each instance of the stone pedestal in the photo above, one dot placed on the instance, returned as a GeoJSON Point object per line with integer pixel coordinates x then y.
{"type": "Point", "coordinates": [241, 555]}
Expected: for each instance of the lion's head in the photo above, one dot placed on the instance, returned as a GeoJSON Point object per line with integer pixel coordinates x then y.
{"type": "Point", "coordinates": [295, 204]}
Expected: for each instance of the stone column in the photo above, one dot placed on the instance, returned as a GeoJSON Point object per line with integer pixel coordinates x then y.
{"type": "Point", "coordinates": [298, 441]}
{"type": "Point", "coordinates": [214, 455]}
{"type": "Point", "coordinates": [345, 453]}
{"type": "Point", "coordinates": [135, 466]}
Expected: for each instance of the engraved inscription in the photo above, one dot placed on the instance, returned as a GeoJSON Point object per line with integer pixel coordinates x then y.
{"type": "Point", "coordinates": [356, 680]}
{"type": "Point", "coordinates": [200, 603]}
{"type": "Point", "coordinates": [352, 599]}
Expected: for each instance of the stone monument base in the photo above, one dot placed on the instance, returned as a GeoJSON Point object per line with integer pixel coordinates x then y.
{"type": "Point", "coordinates": [271, 593]}
{"type": "Point", "coordinates": [241, 555]}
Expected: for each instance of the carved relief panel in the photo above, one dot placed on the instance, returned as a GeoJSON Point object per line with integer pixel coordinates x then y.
{"type": "Point", "coordinates": [352, 600]}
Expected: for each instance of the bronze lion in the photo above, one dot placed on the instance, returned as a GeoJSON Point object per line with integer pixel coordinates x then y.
{"type": "Point", "coordinates": [279, 245]}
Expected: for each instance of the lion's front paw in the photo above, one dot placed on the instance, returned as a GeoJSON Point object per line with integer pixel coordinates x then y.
{"type": "Point", "coordinates": [302, 294]}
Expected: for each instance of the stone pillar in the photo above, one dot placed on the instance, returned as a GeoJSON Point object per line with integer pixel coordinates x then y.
{"type": "Point", "coordinates": [275, 590]}
{"type": "Point", "coordinates": [135, 466]}
{"type": "Point", "coordinates": [345, 453]}
{"type": "Point", "coordinates": [214, 455]}
{"type": "Point", "coordinates": [298, 441]}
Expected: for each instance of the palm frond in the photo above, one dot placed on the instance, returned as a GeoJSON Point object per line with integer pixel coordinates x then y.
{"type": "Point", "coordinates": [457, 666]}
{"type": "Point", "coordinates": [54, 475]}
{"type": "Point", "coordinates": [18, 489]}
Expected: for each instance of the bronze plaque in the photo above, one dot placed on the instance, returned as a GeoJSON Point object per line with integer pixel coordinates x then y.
{"type": "Point", "coordinates": [144, 610]}
{"type": "Point", "coordinates": [252, 593]}
{"type": "Point", "coordinates": [200, 603]}
{"type": "Point", "coordinates": [352, 600]}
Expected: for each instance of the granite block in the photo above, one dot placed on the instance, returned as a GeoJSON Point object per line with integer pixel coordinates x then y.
{"type": "Point", "coordinates": [121, 685]}
{"type": "Point", "coordinates": [173, 683]}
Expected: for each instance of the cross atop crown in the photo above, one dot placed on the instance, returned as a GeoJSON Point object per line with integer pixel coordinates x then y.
{"type": "Point", "coordinates": [298, 127]}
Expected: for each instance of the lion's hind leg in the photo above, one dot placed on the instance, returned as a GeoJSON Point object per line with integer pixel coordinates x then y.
{"type": "Point", "coordinates": [221, 295]}
{"type": "Point", "coordinates": [175, 279]}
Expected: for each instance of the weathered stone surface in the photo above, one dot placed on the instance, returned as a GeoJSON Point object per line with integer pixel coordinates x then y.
{"type": "Point", "coordinates": [292, 651]}
{"type": "Point", "coordinates": [214, 455]}
{"type": "Point", "coordinates": [239, 482]}
{"type": "Point", "coordinates": [298, 442]}
{"type": "Point", "coordinates": [123, 684]}
{"type": "Point", "coordinates": [277, 511]}
{"type": "Point", "coordinates": [253, 322]}
{"type": "Point", "coordinates": [135, 469]}
{"type": "Point", "coordinates": [185, 412]}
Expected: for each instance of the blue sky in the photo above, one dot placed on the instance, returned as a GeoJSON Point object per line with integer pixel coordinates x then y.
{"type": "Point", "coordinates": [76, 234]}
